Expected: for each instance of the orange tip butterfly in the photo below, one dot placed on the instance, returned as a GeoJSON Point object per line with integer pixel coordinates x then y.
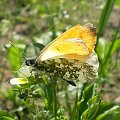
{"type": "Point", "coordinates": [70, 56]}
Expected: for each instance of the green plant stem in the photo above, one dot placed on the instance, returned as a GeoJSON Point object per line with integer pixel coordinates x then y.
{"type": "Point", "coordinates": [80, 97]}
{"type": "Point", "coordinates": [74, 111]}
{"type": "Point", "coordinates": [108, 56]}
{"type": "Point", "coordinates": [104, 18]}
{"type": "Point", "coordinates": [113, 42]}
{"type": "Point", "coordinates": [53, 79]}
{"type": "Point", "coordinates": [68, 103]}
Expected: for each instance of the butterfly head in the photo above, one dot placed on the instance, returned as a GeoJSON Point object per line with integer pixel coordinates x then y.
{"type": "Point", "coordinates": [30, 62]}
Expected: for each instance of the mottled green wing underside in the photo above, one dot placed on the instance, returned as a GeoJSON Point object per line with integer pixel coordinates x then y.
{"type": "Point", "coordinates": [69, 69]}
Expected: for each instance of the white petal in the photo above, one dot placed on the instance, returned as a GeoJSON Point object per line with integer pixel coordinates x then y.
{"type": "Point", "coordinates": [18, 81]}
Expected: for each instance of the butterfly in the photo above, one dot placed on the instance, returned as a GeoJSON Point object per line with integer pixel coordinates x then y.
{"type": "Point", "coordinates": [70, 57]}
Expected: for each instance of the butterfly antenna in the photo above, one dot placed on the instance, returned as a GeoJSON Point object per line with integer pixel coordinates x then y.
{"type": "Point", "coordinates": [15, 48]}
{"type": "Point", "coordinates": [18, 52]}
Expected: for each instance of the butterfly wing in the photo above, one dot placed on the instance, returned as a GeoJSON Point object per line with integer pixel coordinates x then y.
{"type": "Point", "coordinates": [69, 56]}
{"type": "Point", "coordinates": [70, 69]}
{"type": "Point", "coordinates": [71, 48]}
{"type": "Point", "coordinates": [76, 43]}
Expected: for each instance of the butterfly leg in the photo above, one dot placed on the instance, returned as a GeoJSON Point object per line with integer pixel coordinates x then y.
{"type": "Point", "coordinates": [32, 71]}
{"type": "Point", "coordinates": [71, 83]}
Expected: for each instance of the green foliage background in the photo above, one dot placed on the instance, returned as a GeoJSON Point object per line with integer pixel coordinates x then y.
{"type": "Point", "coordinates": [38, 22]}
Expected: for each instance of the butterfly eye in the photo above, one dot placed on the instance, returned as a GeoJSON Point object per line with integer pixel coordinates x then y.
{"type": "Point", "coordinates": [30, 62]}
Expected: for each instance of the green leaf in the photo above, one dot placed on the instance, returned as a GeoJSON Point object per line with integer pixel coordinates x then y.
{"type": "Point", "coordinates": [96, 109]}
{"type": "Point", "coordinates": [90, 106]}
{"type": "Point", "coordinates": [115, 46]}
{"type": "Point", "coordinates": [104, 106]}
{"type": "Point", "coordinates": [4, 114]}
{"type": "Point", "coordinates": [6, 118]}
{"type": "Point", "coordinates": [88, 93]}
{"type": "Point", "coordinates": [93, 100]}
{"type": "Point", "coordinates": [14, 55]}
{"type": "Point", "coordinates": [93, 106]}
{"type": "Point", "coordinates": [112, 114]}
{"type": "Point", "coordinates": [14, 59]}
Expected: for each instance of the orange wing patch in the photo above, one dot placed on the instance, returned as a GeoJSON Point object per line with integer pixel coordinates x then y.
{"type": "Point", "coordinates": [76, 43]}
{"type": "Point", "coordinates": [87, 33]}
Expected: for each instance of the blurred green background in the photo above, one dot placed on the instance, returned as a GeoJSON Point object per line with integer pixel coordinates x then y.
{"type": "Point", "coordinates": [39, 21]}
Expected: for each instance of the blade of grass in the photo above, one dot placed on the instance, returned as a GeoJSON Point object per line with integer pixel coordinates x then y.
{"type": "Point", "coordinates": [52, 25]}
{"type": "Point", "coordinates": [105, 16]}
{"type": "Point", "coordinates": [74, 111]}
{"type": "Point", "coordinates": [53, 81]}
{"type": "Point", "coordinates": [108, 56]}
{"type": "Point", "coordinates": [67, 102]}
{"type": "Point", "coordinates": [113, 42]}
